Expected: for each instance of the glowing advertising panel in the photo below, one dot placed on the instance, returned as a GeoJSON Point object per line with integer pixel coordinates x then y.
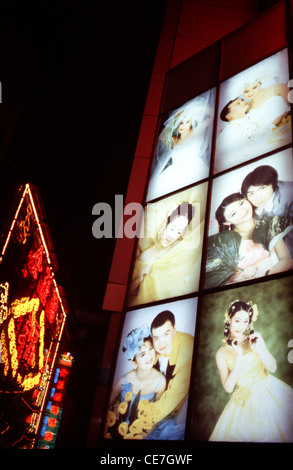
{"type": "Point", "coordinates": [254, 115]}
{"type": "Point", "coordinates": [183, 151]}
{"type": "Point", "coordinates": [242, 391]}
{"type": "Point", "coordinates": [168, 257]}
{"type": "Point", "coordinates": [216, 239]}
{"type": "Point", "coordinates": [149, 396]}
{"type": "Point", "coordinates": [33, 312]}
{"type": "Point", "coordinates": [251, 222]}
{"type": "Point", "coordinates": [54, 407]}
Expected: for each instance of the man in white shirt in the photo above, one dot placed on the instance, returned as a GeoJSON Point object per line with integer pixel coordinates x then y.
{"type": "Point", "coordinates": [237, 133]}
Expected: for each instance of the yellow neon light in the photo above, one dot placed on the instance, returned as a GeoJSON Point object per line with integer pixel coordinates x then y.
{"type": "Point", "coordinates": [29, 381]}
{"type": "Point", "coordinates": [24, 305]}
{"type": "Point", "coordinates": [4, 353]}
{"type": "Point", "coordinates": [4, 302]}
{"type": "Point", "coordinates": [24, 226]}
{"type": "Point", "coordinates": [41, 341]}
{"type": "Point", "coordinates": [12, 347]}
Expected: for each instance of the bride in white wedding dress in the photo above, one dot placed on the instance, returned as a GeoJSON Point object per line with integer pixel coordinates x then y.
{"type": "Point", "coordinates": [182, 155]}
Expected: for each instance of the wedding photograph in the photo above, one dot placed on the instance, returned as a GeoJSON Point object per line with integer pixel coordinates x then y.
{"type": "Point", "coordinates": [168, 256]}
{"type": "Point", "coordinates": [250, 227]}
{"type": "Point", "coordinates": [254, 114]}
{"type": "Point", "coordinates": [242, 390]}
{"type": "Point", "coordinates": [149, 395]}
{"type": "Point", "coordinates": [183, 150]}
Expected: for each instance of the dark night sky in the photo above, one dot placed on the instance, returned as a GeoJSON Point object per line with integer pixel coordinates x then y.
{"type": "Point", "coordinates": [86, 65]}
{"type": "Point", "coordinates": [76, 136]}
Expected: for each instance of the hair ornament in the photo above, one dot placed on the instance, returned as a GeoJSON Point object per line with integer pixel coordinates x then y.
{"type": "Point", "coordinates": [255, 312]}
{"type": "Point", "coordinates": [230, 309]}
{"type": "Point", "coordinates": [234, 306]}
{"type": "Point", "coordinates": [134, 340]}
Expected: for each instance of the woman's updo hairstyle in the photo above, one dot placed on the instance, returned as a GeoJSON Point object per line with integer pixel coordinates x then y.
{"type": "Point", "coordinates": [186, 209]}
{"type": "Point", "coordinates": [134, 340]}
{"type": "Point", "coordinates": [235, 307]}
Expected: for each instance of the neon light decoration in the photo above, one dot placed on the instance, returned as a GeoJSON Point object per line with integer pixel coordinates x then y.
{"type": "Point", "coordinates": [35, 263]}
{"type": "Point", "coordinates": [32, 315]}
{"type": "Point", "coordinates": [23, 227]}
{"type": "Point", "coordinates": [3, 301]}
{"type": "Point", "coordinates": [51, 421]}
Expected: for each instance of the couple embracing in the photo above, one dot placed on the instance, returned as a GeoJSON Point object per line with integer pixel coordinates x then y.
{"type": "Point", "coordinates": [153, 395]}
{"type": "Point", "coordinates": [255, 231]}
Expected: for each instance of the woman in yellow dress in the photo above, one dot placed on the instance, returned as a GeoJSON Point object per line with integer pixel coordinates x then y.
{"type": "Point", "coordinates": [168, 264]}
{"type": "Point", "coordinates": [261, 406]}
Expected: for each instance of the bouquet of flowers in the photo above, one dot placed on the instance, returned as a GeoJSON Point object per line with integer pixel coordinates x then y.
{"type": "Point", "coordinates": [134, 421]}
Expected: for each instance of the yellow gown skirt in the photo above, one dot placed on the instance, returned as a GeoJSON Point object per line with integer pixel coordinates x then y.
{"type": "Point", "coordinates": [260, 408]}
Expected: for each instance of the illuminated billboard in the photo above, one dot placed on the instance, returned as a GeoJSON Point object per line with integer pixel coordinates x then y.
{"type": "Point", "coordinates": [33, 313]}
{"type": "Point", "coordinates": [220, 245]}
{"type": "Point", "coordinates": [168, 257]}
{"type": "Point", "coordinates": [149, 396]}
{"type": "Point", "coordinates": [254, 115]}
{"type": "Point", "coordinates": [251, 222]}
{"type": "Point", "coordinates": [242, 391]}
{"type": "Point", "coordinates": [54, 407]}
{"type": "Point", "coordinates": [184, 143]}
